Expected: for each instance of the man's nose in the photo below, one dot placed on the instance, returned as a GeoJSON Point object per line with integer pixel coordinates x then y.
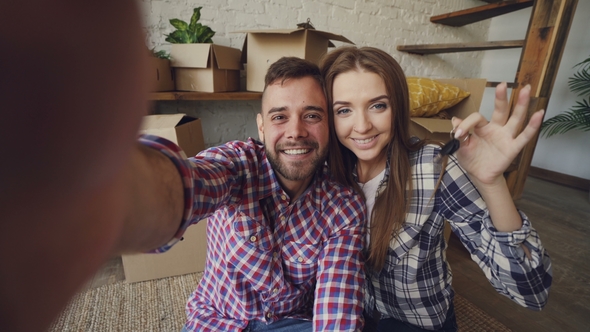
{"type": "Point", "coordinates": [296, 128]}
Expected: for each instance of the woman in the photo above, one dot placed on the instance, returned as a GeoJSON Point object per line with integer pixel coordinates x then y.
{"type": "Point", "coordinates": [410, 191]}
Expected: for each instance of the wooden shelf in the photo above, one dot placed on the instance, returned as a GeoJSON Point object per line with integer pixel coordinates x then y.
{"type": "Point", "coordinates": [476, 14]}
{"type": "Point", "coordinates": [460, 47]}
{"type": "Point", "coordinates": [511, 85]}
{"type": "Point", "coordinates": [191, 95]}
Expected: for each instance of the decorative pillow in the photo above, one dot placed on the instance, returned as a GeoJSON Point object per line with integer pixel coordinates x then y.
{"type": "Point", "coordinates": [428, 97]}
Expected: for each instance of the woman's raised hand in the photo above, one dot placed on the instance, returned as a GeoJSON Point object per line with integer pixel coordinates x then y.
{"type": "Point", "coordinates": [492, 145]}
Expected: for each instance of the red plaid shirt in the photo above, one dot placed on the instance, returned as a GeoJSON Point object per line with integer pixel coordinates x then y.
{"type": "Point", "coordinates": [268, 259]}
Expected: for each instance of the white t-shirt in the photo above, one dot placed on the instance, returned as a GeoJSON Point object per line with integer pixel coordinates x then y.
{"type": "Point", "coordinates": [370, 190]}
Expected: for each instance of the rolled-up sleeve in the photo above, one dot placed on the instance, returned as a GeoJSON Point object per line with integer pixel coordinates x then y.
{"type": "Point", "coordinates": [183, 165]}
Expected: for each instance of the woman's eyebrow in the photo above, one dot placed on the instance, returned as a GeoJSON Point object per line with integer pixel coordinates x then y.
{"type": "Point", "coordinates": [337, 102]}
{"type": "Point", "coordinates": [340, 102]}
{"type": "Point", "coordinates": [379, 98]}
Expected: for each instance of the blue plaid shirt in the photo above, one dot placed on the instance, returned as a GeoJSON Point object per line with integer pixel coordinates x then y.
{"type": "Point", "coordinates": [269, 258]}
{"type": "Point", "coordinates": [415, 283]}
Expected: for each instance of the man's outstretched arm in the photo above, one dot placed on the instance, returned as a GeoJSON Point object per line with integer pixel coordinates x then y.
{"type": "Point", "coordinates": [75, 188]}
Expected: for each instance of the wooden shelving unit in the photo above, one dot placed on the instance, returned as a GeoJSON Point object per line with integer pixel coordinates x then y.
{"type": "Point", "coordinates": [211, 96]}
{"type": "Point", "coordinates": [542, 48]}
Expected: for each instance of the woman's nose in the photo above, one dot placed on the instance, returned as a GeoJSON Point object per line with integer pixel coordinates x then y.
{"type": "Point", "coordinates": [362, 123]}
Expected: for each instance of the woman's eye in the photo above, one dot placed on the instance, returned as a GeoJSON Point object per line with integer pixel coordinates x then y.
{"type": "Point", "coordinates": [342, 111]}
{"type": "Point", "coordinates": [380, 106]}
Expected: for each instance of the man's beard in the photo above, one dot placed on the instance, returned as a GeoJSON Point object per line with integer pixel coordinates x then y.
{"type": "Point", "coordinates": [300, 170]}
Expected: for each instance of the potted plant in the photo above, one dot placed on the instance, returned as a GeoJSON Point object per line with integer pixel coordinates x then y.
{"type": "Point", "coordinates": [162, 75]}
{"type": "Point", "coordinates": [190, 33]}
{"type": "Point", "coordinates": [578, 117]}
{"type": "Point", "coordinates": [199, 64]}
{"type": "Point", "coordinates": [161, 54]}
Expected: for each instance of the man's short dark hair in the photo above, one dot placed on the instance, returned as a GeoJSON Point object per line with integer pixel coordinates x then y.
{"type": "Point", "coordinates": [292, 67]}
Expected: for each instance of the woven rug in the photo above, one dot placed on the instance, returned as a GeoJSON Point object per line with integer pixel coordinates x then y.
{"type": "Point", "coordinates": [158, 305]}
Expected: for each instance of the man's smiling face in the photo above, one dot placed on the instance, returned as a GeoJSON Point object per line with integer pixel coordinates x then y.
{"type": "Point", "coordinates": [294, 128]}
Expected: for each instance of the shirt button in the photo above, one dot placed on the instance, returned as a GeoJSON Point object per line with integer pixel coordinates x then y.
{"type": "Point", "coordinates": [276, 290]}
{"type": "Point", "coordinates": [300, 259]}
{"type": "Point", "coordinates": [269, 315]}
{"type": "Point", "coordinates": [275, 255]}
{"type": "Point", "coordinates": [252, 238]}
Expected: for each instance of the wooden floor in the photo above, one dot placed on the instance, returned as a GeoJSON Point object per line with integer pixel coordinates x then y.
{"type": "Point", "coordinates": [561, 215]}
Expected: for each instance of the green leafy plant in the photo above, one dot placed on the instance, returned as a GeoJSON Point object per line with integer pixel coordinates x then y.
{"type": "Point", "coordinates": [578, 117]}
{"type": "Point", "coordinates": [189, 33]}
{"type": "Point", "coordinates": [160, 54]}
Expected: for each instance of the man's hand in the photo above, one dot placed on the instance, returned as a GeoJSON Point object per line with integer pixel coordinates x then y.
{"type": "Point", "coordinates": [73, 91]}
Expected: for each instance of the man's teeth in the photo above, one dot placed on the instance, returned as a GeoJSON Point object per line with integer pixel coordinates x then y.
{"type": "Point", "coordinates": [364, 141]}
{"type": "Point", "coordinates": [297, 151]}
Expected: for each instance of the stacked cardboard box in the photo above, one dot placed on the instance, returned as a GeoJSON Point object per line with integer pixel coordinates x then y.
{"type": "Point", "coordinates": [206, 67]}
{"type": "Point", "coordinates": [264, 47]}
{"type": "Point", "coordinates": [188, 255]}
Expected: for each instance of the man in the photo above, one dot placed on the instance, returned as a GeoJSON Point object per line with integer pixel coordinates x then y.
{"type": "Point", "coordinates": [76, 188]}
{"type": "Point", "coordinates": [284, 240]}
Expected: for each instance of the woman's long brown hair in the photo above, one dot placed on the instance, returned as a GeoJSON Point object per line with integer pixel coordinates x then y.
{"type": "Point", "coordinates": [392, 205]}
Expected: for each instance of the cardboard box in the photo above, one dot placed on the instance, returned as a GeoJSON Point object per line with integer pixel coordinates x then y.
{"type": "Point", "coordinates": [439, 129]}
{"type": "Point", "coordinates": [181, 129]}
{"type": "Point", "coordinates": [189, 255]}
{"type": "Point", "coordinates": [162, 76]}
{"type": "Point", "coordinates": [206, 67]}
{"type": "Point", "coordinates": [264, 47]}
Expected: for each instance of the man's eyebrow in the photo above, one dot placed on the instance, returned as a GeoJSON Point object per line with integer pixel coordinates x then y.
{"type": "Point", "coordinates": [277, 109]}
{"type": "Point", "coordinates": [307, 108]}
{"type": "Point", "coordinates": [314, 108]}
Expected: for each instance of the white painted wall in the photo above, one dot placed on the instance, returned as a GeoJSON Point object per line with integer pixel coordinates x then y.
{"type": "Point", "coordinates": [379, 23]}
{"type": "Point", "coordinates": [568, 153]}
{"type": "Point", "coordinates": [383, 24]}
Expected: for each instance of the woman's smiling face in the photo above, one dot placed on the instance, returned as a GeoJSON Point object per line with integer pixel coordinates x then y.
{"type": "Point", "coordinates": [362, 115]}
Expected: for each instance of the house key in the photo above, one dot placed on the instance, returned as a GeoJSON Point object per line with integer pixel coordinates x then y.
{"type": "Point", "coordinates": [451, 146]}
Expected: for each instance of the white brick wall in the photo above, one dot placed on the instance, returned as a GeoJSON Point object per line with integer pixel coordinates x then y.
{"type": "Point", "coordinates": [379, 23]}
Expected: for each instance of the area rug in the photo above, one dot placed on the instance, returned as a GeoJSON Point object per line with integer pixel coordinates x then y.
{"type": "Point", "coordinates": [158, 305]}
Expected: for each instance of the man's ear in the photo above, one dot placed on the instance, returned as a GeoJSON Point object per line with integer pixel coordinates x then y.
{"type": "Point", "coordinates": [260, 124]}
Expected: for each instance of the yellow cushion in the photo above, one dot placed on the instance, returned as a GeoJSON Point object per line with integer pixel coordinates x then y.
{"type": "Point", "coordinates": [428, 97]}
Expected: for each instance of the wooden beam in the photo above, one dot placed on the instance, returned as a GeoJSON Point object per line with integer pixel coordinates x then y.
{"type": "Point", "coordinates": [546, 37]}
{"type": "Point", "coordinates": [510, 85]}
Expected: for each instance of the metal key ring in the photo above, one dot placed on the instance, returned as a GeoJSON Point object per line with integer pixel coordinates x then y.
{"type": "Point", "coordinates": [452, 134]}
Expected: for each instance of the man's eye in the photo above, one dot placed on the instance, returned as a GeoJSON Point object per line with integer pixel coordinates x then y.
{"type": "Point", "coordinates": [278, 117]}
{"type": "Point", "coordinates": [313, 117]}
